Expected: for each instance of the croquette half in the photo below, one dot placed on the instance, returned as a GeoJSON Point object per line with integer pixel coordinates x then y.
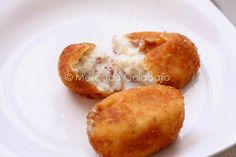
{"type": "Point", "coordinates": [156, 54]}
{"type": "Point", "coordinates": [88, 71]}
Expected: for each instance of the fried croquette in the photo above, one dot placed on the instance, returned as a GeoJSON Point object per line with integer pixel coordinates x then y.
{"type": "Point", "coordinates": [137, 122]}
{"type": "Point", "coordinates": [153, 54]}
{"type": "Point", "coordinates": [88, 71]}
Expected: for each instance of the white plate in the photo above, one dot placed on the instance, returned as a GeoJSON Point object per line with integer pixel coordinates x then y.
{"type": "Point", "coordinates": [39, 117]}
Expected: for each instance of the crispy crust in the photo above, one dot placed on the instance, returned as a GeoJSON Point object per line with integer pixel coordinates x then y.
{"type": "Point", "coordinates": [151, 40]}
{"type": "Point", "coordinates": [136, 122]}
{"type": "Point", "coordinates": [169, 54]}
{"type": "Point", "coordinates": [70, 55]}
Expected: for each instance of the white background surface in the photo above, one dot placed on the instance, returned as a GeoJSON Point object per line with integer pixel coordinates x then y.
{"type": "Point", "coordinates": [228, 7]}
{"type": "Point", "coordinates": [39, 117]}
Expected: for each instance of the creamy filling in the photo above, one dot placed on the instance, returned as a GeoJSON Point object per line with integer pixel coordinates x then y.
{"type": "Point", "coordinates": [100, 70]}
{"type": "Point", "coordinates": [90, 120]}
{"type": "Point", "coordinates": [130, 59]}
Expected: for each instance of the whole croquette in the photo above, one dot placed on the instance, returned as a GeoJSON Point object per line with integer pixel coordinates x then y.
{"type": "Point", "coordinates": [136, 122]}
